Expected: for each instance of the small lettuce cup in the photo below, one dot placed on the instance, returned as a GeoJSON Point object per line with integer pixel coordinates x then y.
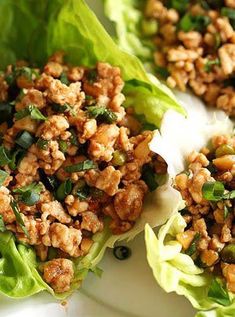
{"type": "Point", "coordinates": [200, 269]}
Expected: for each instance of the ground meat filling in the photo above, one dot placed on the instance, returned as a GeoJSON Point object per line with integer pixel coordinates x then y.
{"type": "Point", "coordinates": [70, 156]}
{"type": "Point", "coordinates": [208, 188]}
{"type": "Point", "coordinates": [195, 45]}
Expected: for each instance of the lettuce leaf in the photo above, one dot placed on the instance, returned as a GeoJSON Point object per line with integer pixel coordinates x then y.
{"type": "Point", "coordinates": [72, 27]}
{"type": "Point", "coordinates": [18, 274]}
{"type": "Point", "coordinates": [129, 21]}
{"type": "Point", "coordinates": [33, 30]}
{"type": "Point", "coordinates": [173, 270]}
{"type": "Point", "coordinates": [128, 18]}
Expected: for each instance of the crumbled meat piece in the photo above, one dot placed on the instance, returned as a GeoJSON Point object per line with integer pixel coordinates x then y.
{"type": "Point", "coordinates": [61, 94]}
{"type": "Point", "coordinates": [33, 96]}
{"type": "Point", "coordinates": [53, 127]}
{"type": "Point", "coordinates": [56, 210]}
{"type": "Point", "coordinates": [5, 207]}
{"type": "Point", "coordinates": [106, 180]}
{"type": "Point", "coordinates": [64, 238]}
{"type": "Point", "coordinates": [91, 222]}
{"type": "Point", "coordinates": [53, 69]}
{"type": "Point", "coordinates": [227, 58]}
{"type": "Point", "coordinates": [195, 184]}
{"type": "Point", "coordinates": [102, 142]}
{"type": "Point", "coordinates": [59, 274]}
{"type": "Point", "coordinates": [29, 165]}
{"type": "Point", "coordinates": [128, 202]}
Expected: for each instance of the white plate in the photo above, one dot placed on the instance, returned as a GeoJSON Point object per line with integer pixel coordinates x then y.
{"type": "Point", "coordinates": [126, 289]}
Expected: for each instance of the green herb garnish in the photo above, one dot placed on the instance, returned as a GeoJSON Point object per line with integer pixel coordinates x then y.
{"type": "Point", "coordinates": [4, 156]}
{"type": "Point", "coordinates": [92, 76]}
{"type": "Point", "coordinates": [3, 177]}
{"type": "Point", "coordinates": [64, 79]}
{"type": "Point", "coordinates": [2, 224]}
{"type": "Point", "coordinates": [16, 158]}
{"type": "Point", "coordinates": [18, 216]}
{"type": "Point", "coordinates": [63, 146]}
{"type": "Point", "coordinates": [31, 111]}
{"type": "Point", "coordinates": [83, 192]}
{"type": "Point", "coordinates": [230, 13]}
{"type": "Point", "coordinates": [64, 190]}
{"type": "Point", "coordinates": [162, 71]}
{"type": "Point", "coordinates": [213, 191]}
{"type": "Point", "coordinates": [79, 167]}
{"type": "Point", "coordinates": [210, 63]}
{"type": "Point", "coordinates": [193, 246]}
{"type": "Point", "coordinates": [193, 22]}
{"type": "Point", "coordinates": [42, 144]}
{"type": "Point", "coordinates": [218, 293]}
{"type": "Point", "coordinates": [29, 194]}
{"type": "Point", "coordinates": [101, 113]}
{"type": "Point", "coordinates": [148, 177]}
{"type": "Point", "coordinates": [179, 5]}
{"type": "Point", "coordinates": [73, 139]}
{"type": "Point", "coordinates": [63, 108]}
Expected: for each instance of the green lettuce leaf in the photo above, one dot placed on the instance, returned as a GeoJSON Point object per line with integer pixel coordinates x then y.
{"type": "Point", "coordinates": [33, 30]}
{"type": "Point", "coordinates": [72, 27]}
{"type": "Point", "coordinates": [176, 272]}
{"type": "Point", "coordinates": [173, 270]}
{"type": "Point", "coordinates": [18, 274]}
{"type": "Point", "coordinates": [130, 26]}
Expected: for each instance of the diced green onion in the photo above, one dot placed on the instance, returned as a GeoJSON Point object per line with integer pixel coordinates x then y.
{"type": "Point", "coordinates": [96, 193]}
{"type": "Point", "coordinates": [6, 112]}
{"type": "Point", "coordinates": [16, 158]}
{"type": "Point", "coordinates": [64, 79]}
{"type": "Point", "coordinates": [4, 156]}
{"type": "Point", "coordinates": [101, 113]}
{"type": "Point", "coordinates": [224, 149]}
{"type": "Point", "coordinates": [162, 71]}
{"type": "Point", "coordinates": [19, 218]}
{"type": "Point", "coordinates": [179, 5]}
{"type": "Point", "coordinates": [83, 192]}
{"type": "Point", "coordinates": [92, 76]}
{"type": "Point", "coordinates": [213, 191]}
{"type": "Point", "coordinates": [149, 27]}
{"type": "Point", "coordinates": [79, 167]}
{"type": "Point", "coordinates": [29, 198]}
{"type": "Point", "coordinates": [63, 146]}
{"type": "Point", "coordinates": [119, 158]}
{"type": "Point", "coordinates": [29, 194]}
{"type": "Point", "coordinates": [24, 139]}
{"type": "Point", "coordinates": [193, 22]}
{"type": "Point", "coordinates": [228, 12]}
{"type": "Point", "coordinates": [2, 224]}
{"type": "Point", "coordinates": [193, 246]}
{"type": "Point", "coordinates": [148, 176]}
{"type": "Point", "coordinates": [73, 139]}
{"type": "Point", "coordinates": [210, 63]}
{"type": "Point", "coordinates": [3, 177]}
{"type": "Point", "coordinates": [64, 190]}
{"type": "Point", "coordinates": [42, 144]}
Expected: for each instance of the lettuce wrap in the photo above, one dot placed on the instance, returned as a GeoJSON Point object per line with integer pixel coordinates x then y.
{"type": "Point", "coordinates": [33, 30]}
{"type": "Point", "coordinates": [173, 270]}
{"type": "Point", "coordinates": [133, 31]}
